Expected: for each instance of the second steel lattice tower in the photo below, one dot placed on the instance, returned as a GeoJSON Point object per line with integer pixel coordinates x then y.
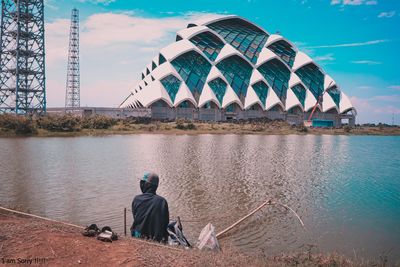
{"type": "Point", "coordinates": [72, 94]}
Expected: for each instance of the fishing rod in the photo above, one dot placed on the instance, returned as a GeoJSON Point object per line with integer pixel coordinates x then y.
{"type": "Point", "coordinates": [268, 202]}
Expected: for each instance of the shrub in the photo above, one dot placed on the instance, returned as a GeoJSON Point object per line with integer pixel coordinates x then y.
{"type": "Point", "coordinates": [190, 126]}
{"type": "Point", "coordinates": [8, 121]}
{"type": "Point", "coordinates": [25, 125]}
{"type": "Point", "coordinates": [138, 120]}
{"type": "Point", "coordinates": [20, 124]}
{"type": "Point", "coordinates": [59, 123]}
{"type": "Point", "coordinates": [257, 128]}
{"type": "Point", "coordinates": [98, 122]}
{"type": "Point", "coordinates": [302, 129]}
{"type": "Point", "coordinates": [347, 129]}
{"type": "Point", "coordinates": [181, 125]}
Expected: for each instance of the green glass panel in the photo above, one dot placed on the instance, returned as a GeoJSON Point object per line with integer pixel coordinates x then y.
{"type": "Point", "coordinates": [171, 85]}
{"type": "Point", "coordinates": [241, 35]}
{"type": "Point", "coordinates": [277, 75]}
{"type": "Point", "coordinates": [300, 93]}
{"type": "Point", "coordinates": [261, 90]}
{"type": "Point", "coordinates": [184, 104]}
{"type": "Point", "coordinates": [313, 78]}
{"type": "Point", "coordinates": [161, 59]}
{"type": "Point", "coordinates": [335, 94]}
{"type": "Point", "coordinates": [230, 108]}
{"type": "Point", "coordinates": [237, 72]}
{"type": "Point", "coordinates": [284, 50]}
{"type": "Point", "coordinates": [153, 65]}
{"type": "Point", "coordinates": [208, 43]}
{"type": "Point", "coordinates": [193, 68]}
{"type": "Point", "coordinates": [219, 88]}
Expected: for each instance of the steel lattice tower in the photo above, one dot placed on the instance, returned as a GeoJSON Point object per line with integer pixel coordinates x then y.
{"type": "Point", "coordinates": [72, 92]}
{"type": "Point", "coordinates": [22, 57]}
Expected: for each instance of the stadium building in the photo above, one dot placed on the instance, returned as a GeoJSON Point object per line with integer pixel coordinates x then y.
{"type": "Point", "coordinates": [226, 68]}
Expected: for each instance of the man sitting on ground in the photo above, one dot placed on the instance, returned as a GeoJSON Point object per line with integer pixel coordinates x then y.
{"type": "Point", "coordinates": [150, 211]}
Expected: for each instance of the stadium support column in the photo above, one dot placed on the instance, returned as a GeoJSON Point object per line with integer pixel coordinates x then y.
{"type": "Point", "coordinates": [22, 57]}
{"type": "Point", "coordinates": [72, 92]}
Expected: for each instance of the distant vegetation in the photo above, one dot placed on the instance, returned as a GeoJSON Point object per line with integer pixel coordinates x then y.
{"type": "Point", "coordinates": [180, 124]}
{"type": "Point", "coordinates": [53, 123]}
{"type": "Point", "coordinates": [65, 125]}
{"type": "Point", "coordinates": [17, 124]}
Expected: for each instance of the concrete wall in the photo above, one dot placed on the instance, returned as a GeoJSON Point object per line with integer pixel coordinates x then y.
{"type": "Point", "coordinates": [210, 114]}
{"type": "Point", "coordinates": [110, 112]}
{"type": "Point", "coordinates": [204, 114]}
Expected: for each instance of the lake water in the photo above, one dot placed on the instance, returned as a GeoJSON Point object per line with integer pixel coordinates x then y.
{"type": "Point", "coordinates": [345, 188]}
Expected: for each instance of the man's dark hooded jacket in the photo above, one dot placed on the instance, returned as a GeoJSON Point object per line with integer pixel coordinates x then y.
{"type": "Point", "coordinates": [150, 214]}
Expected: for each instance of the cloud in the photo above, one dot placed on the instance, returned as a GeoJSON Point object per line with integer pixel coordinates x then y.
{"type": "Point", "coordinates": [327, 57]}
{"type": "Point", "coordinates": [56, 41]}
{"type": "Point", "coordinates": [373, 42]}
{"type": "Point", "coordinates": [102, 2]}
{"type": "Point", "coordinates": [352, 2]}
{"type": "Point", "coordinates": [360, 103]}
{"type": "Point", "coordinates": [363, 107]}
{"type": "Point", "coordinates": [387, 98]}
{"type": "Point", "coordinates": [388, 14]}
{"type": "Point", "coordinates": [364, 87]}
{"type": "Point", "coordinates": [366, 62]}
{"type": "Point", "coordinates": [375, 109]}
{"type": "Point", "coordinates": [303, 47]}
{"type": "Point", "coordinates": [387, 110]}
{"type": "Point", "coordinates": [114, 48]}
{"type": "Point", "coordinates": [110, 29]}
{"type": "Point", "coordinates": [396, 87]}
{"type": "Point", "coordinates": [49, 4]}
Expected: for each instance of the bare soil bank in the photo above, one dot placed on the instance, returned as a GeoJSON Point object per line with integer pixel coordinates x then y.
{"type": "Point", "coordinates": [38, 242]}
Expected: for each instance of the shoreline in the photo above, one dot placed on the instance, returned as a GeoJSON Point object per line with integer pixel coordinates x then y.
{"type": "Point", "coordinates": [53, 243]}
{"type": "Point", "coordinates": [200, 128]}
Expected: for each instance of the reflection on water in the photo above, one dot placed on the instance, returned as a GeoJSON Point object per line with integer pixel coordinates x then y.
{"type": "Point", "coordinates": [346, 189]}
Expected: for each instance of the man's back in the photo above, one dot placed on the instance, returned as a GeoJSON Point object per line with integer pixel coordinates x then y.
{"type": "Point", "coordinates": [151, 217]}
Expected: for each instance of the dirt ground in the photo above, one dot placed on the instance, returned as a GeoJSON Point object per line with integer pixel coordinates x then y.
{"type": "Point", "coordinates": [30, 241]}
{"type": "Point", "coordinates": [59, 245]}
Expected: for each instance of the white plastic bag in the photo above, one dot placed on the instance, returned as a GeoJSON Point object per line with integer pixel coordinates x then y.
{"type": "Point", "coordinates": [207, 238]}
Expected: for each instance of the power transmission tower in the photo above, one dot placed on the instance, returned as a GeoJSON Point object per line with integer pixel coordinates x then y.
{"type": "Point", "coordinates": [72, 92]}
{"type": "Point", "coordinates": [22, 57]}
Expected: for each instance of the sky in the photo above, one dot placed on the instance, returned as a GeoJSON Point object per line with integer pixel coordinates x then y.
{"type": "Point", "coordinates": [356, 42]}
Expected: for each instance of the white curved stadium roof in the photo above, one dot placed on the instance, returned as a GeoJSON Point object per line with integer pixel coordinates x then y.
{"type": "Point", "coordinates": [227, 59]}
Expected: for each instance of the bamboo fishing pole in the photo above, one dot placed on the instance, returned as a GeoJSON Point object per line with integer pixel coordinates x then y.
{"type": "Point", "coordinates": [268, 202]}
{"type": "Point", "coordinates": [295, 213]}
{"type": "Point", "coordinates": [242, 219]}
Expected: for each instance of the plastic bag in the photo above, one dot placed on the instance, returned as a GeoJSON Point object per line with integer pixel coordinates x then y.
{"type": "Point", "coordinates": [207, 238]}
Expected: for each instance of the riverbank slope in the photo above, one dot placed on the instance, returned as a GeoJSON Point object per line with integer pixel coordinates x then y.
{"type": "Point", "coordinates": [67, 125]}
{"type": "Point", "coordinates": [37, 241]}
